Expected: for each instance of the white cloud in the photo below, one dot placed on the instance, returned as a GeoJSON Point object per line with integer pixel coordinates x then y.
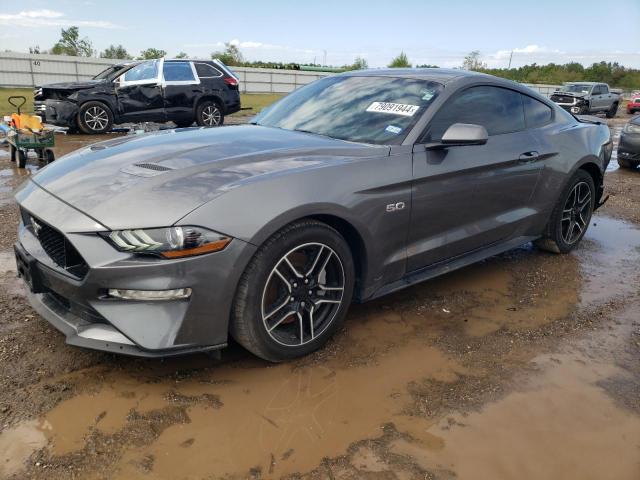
{"type": "Point", "coordinates": [48, 18]}
{"type": "Point", "coordinates": [528, 50]}
{"type": "Point", "coordinates": [251, 45]}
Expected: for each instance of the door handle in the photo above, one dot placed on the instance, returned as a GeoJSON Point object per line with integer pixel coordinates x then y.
{"type": "Point", "coordinates": [527, 157]}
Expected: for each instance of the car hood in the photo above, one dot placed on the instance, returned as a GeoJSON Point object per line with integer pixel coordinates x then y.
{"type": "Point", "coordinates": [73, 85]}
{"type": "Point", "coordinates": [153, 180]}
{"type": "Point", "coordinates": [570, 94]}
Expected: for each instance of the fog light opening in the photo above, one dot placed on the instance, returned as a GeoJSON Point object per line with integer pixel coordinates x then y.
{"type": "Point", "coordinates": [153, 295]}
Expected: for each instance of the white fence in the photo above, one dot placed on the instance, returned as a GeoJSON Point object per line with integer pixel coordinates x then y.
{"type": "Point", "coordinates": [29, 70]}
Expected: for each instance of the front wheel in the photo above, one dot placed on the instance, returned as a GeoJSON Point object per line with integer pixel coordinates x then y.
{"type": "Point", "coordinates": [571, 216]}
{"type": "Point", "coordinates": [209, 114]}
{"type": "Point", "coordinates": [95, 118]}
{"type": "Point", "coordinates": [295, 292]}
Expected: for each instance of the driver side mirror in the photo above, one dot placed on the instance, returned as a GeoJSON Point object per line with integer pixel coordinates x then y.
{"type": "Point", "coordinates": [461, 134]}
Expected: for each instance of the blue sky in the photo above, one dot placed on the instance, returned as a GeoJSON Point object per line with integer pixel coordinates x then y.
{"type": "Point", "coordinates": [434, 32]}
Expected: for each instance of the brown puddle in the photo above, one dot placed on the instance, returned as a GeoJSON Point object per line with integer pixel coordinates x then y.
{"type": "Point", "coordinates": [560, 424]}
{"type": "Point", "coordinates": [245, 415]}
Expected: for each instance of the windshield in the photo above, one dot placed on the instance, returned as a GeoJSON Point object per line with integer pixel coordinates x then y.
{"type": "Point", "coordinates": [109, 73]}
{"type": "Point", "coordinates": [576, 88]}
{"type": "Point", "coordinates": [379, 110]}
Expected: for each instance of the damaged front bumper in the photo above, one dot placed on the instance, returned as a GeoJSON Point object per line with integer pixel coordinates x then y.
{"type": "Point", "coordinates": [62, 113]}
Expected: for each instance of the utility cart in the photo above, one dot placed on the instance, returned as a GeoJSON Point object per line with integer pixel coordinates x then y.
{"type": "Point", "coordinates": [22, 137]}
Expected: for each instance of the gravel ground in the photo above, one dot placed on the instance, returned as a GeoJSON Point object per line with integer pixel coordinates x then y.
{"type": "Point", "coordinates": [504, 369]}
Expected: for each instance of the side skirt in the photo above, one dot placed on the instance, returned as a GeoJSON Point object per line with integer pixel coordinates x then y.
{"type": "Point", "coordinates": [441, 268]}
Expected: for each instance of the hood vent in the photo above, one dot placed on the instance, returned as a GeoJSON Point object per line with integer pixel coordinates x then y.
{"type": "Point", "coordinates": [146, 169]}
{"type": "Point", "coordinates": [153, 166]}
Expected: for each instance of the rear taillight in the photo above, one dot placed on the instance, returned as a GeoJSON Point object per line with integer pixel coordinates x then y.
{"type": "Point", "coordinates": [232, 82]}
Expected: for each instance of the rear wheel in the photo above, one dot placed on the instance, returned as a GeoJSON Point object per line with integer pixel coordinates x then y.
{"type": "Point", "coordinates": [571, 216]}
{"type": "Point", "coordinates": [612, 111]}
{"type": "Point", "coordinates": [209, 114]}
{"type": "Point", "coordinates": [95, 118]}
{"type": "Point", "coordinates": [295, 292]}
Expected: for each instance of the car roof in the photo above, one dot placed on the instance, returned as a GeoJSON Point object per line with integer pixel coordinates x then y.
{"type": "Point", "coordinates": [440, 75]}
{"type": "Point", "coordinates": [582, 83]}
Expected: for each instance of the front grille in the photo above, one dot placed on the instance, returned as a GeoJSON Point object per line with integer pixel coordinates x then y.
{"type": "Point", "coordinates": [56, 246]}
{"type": "Point", "coordinates": [562, 99]}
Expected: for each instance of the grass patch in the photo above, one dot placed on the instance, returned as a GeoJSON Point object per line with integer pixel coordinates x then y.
{"type": "Point", "coordinates": [5, 93]}
{"type": "Point", "coordinates": [255, 101]}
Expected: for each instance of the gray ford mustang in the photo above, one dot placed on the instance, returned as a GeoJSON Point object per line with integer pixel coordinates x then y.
{"type": "Point", "coordinates": [350, 188]}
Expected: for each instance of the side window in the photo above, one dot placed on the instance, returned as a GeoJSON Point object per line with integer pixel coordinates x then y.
{"type": "Point", "coordinates": [207, 71]}
{"type": "Point", "coordinates": [604, 89]}
{"type": "Point", "coordinates": [143, 71]}
{"type": "Point", "coordinates": [178, 72]}
{"type": "Point", "coordinates": [536, 113]}
{"type": "Point", "coordinates": [499, 110]}
{"type": "Point", "coordinates": [596, 90]}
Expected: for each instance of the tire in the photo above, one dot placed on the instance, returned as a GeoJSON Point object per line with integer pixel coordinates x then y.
{"type": "Point", "coordinates": [300, 316]}
{"type": "Point", "coordinates": [612, 111]}
{"type": "Point", "coordinates": [22, 159]}
{"type": "Point", "coordinates": [13, 153]}
{"type": "Point", "coordinates": [627, 163]}
{"type": "Point", "coordinates": [209, 114]}
{"type": "Point", "coordinates": [49, 156]}
{"type": "Point", "coordinates": [561, 233]}
{"type": "Point", "coordinates": [584, 110]}
{"type": "Point", "coordinates": [95, 118]}
{"type": "Point", "coordinates": [183, 123]}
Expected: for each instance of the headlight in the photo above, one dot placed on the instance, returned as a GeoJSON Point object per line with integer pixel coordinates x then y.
{"type": "Point", "coordinates": [170, 242]}
{"type": "Point", "coordinates": [631, 128]}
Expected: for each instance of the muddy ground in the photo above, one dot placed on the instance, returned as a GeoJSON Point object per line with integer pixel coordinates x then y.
{"type": "Point", "coordinates": [524, 366]}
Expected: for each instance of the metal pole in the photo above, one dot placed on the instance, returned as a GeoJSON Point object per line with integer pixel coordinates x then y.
{"type": "Point", "coordinates": [510, 58]}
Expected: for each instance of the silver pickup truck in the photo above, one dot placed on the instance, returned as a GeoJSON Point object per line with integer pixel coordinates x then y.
{"type": "Point", "coordinates": [582, 98]}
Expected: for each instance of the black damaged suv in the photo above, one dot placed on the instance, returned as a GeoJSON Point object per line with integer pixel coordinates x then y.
{"type": "Point", "coordinates": [181, 91]}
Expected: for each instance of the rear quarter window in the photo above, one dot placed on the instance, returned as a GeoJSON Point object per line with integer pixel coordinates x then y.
{"type": "Point", "coordinates": [536, 113]}
{"type": "Point", "coordinates": [207, 71]}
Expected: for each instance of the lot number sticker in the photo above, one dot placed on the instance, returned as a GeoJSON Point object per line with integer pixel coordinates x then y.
{"type": "Point", "coordinates": [394, 108]}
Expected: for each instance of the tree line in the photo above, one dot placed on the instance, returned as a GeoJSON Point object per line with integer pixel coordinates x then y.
{"type": "Point", "coordinates": [616, 75]}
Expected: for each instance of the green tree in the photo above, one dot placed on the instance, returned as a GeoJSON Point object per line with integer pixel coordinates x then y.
{"type": "Point", "coordinates": [151, 53]}
{"type": "Point", "coordinates": [116, 51]}
{"type": "Point", "coordinates": [231, 55]}
{"type": "Point", "coordinates": [473, 61]}
{"type": "Point", "coordinates": [182, 55]}
{"type": "Point", "coordinates": [70, 43]}
{"type": "Point", "coordinates": [401, 61]}
{"type": "Point", "coordinates": [359, 64]}
{"type": "Point", "coordinates": [427, 65]}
